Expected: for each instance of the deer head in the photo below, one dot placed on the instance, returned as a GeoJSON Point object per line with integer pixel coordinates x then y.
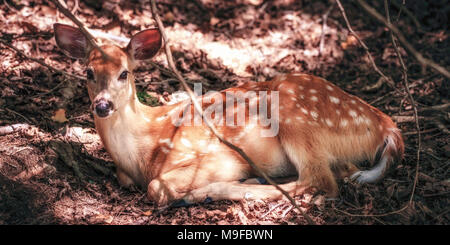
{"type": "Point", "coordinates": [110, 79]}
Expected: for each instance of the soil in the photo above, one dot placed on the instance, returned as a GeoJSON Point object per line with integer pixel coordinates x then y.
{"type": "Point", "coordinates": [54, 169]}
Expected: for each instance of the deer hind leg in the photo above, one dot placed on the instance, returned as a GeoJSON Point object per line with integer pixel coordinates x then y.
{"type": "Point", "coordinates": [313, 169]}
{"type": "Point", "coordinates": [318, 174]}
{"type": "Point", "coordinates": [344, 170]}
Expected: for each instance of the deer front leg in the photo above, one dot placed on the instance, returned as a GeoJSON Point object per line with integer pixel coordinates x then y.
{"type": "Point", "coordinates": [318, 176]}
{"type": "Point", "coordinates": [238, 191]}
{"type": "Point", "coordinates": [173, 185]}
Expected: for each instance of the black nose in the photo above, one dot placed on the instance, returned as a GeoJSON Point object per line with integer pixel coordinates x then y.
{"type": "Point", "coordinates": [102, 108]}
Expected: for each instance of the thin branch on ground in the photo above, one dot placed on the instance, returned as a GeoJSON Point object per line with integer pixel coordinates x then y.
{"type": "Point", "coordinates": [411, 99]}
{"type": "Point", "coordinates": [4, 42]}
{"type": "Point", "coordinates": [424, 61]}
{"type": "Point", "coordinates": [401, 8]}
{"type": "Point", "coordinates": [199, 110]}
{"type": "Point", "coordinates": [416, 120]}
{"type": "Point", "coordinates": [441, 126]}
{"type": "Point", "coordinates": [372, 61]}
{"type": "Point", "coordinates": [80, 25]}
{"type": "Point", "coordinates": [435, 107]}
{"type": "Point", "coordinates": [18, 114]}
{"type": "Point", "coordinates": [9, 129]}
{"type": "Point", "coordinates": [324, 26]}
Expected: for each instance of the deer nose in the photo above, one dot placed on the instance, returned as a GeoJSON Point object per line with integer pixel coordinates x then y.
{"type": "Point", "coordinates": [103, 108]}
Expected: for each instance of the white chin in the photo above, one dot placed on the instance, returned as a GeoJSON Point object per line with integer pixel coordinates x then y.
{"type": "Point", "coordinates": [103, 117]}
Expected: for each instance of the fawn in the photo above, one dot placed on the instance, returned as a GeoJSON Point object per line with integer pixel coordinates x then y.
{"type": "Point", "coordinates": [321, 131]}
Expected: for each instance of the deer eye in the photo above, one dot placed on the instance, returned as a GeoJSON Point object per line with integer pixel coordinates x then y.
{"type": "Point", "coordinates": [123, 75]}
{"type": "Point", "coordinates": [90, 74]}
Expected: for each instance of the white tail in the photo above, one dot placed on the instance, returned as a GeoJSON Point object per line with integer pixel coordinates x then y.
{"type": "Point", "coordinates": [296, 125]}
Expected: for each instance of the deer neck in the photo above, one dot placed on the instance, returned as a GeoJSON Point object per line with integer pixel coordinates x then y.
{"type": "Point", "coordinates": [129, 135]}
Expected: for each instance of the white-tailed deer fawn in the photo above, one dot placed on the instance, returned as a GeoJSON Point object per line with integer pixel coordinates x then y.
{"type": "Point", "coordinates": [320, 132]}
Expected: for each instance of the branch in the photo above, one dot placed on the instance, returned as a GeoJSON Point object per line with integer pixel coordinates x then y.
{"type": "Point", "coordinates": [413, 103]}
{"type": "Point", "coordinates": [80, 25]}
{"type": "Point", "coordinates": [199, 110]}
{"type": "Point", "coordinates": [424, 61]}
{"type": "Point", "coordinates": [4, 42]}
{"type": "Point", "coordinates": [372, 61]}
{"type": "Point", "coordinates": [324, 26]}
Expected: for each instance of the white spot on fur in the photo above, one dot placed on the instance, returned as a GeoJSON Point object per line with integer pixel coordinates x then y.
{"type": "Point", "coordinates": [334, 100]}
{"type": "Point", "coordinates": [328, 122]}
{"type": "Point", "coordinates": [338, 112]}
{"type": "Point", "coordinates": [353, 101]}
{"type": "Point", "coordinates": [293, 98]}
{"type": "Point", "coordinates": [314, 115]}
{"type": "Point", "coordinates": [358, 120]}
{"type": "Point", "coordinates": [301, 87]}
{"type": "Point", "coordinates": [291, 91]}
{"type": "Point", "coordinates": [329, 87]}
{"type": "Point", "coordinates": [288, 121]}
{"type": "Point", "coordinates": [344, 123]}
{"type": "Point", "coordinates": [299, 118]}
{"type": "Point", "coordinates": [313, 91]}
{"type": "Point", "coordinates": [314, 98]}
{"type": "Point", "coordinates": [304, 111]}
{"type": "Point", "coordinates": [352, 113]}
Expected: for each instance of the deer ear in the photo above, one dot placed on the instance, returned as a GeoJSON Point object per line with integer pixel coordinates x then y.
{"type": "Point", "coordinates": [71, 41]}
{"type": "Point", "coordinates": [145, 44]}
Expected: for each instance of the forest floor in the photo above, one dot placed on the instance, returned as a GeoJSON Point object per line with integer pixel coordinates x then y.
{"type": "Point", "coordinates": [220, 44]}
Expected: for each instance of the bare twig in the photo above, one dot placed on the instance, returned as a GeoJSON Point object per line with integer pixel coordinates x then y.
{"type": "Point", "coordinates": [416, 120]}
{"type": "Point", "coordinates": [411, 99]}
{"type": "Point", "coordinates": [74, 19]}
{"type": "Point", "coordinates": [18, 114]}
{"type": "Point", "coordinates": [9, 129]}
{"type": "Point", "coordinates": [405, 119]}
{"type": "Point", "coordinates": [372, 61]}
{"type": "Point", "coordinates": [374, 215]}
{"type": "Point", "coordinates": [4, 42]}
{"type": "Point", "coordinates": [199, 110]}
{"type": "Point", "coordinates": [424, 61]}
{"type": "Point", "coordinates": [435, 107]}
{"type": "Point", "coordinates": [401, 8]}
{"type": "Point", "coordinates": [324, 26]}
{"type": "Point", "coordinates": [441, 126]}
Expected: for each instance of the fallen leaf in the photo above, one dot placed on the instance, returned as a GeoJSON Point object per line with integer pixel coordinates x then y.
{"type": "Point", "coordinates": [351, 41]}
{"type": "Point", "coordinates": [60, 116]}
{"type": "Point", "coordinates": [213, 21]}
